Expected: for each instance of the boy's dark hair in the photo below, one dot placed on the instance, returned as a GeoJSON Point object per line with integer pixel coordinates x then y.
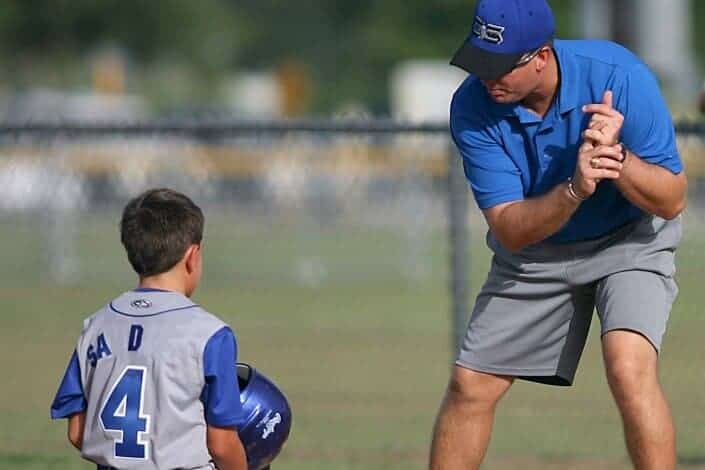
{"type": "Point", "coordinates": [156, 229]}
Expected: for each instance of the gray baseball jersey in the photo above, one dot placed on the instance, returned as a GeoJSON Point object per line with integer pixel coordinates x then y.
{"type": "Point", "coordinates": [143, 363]}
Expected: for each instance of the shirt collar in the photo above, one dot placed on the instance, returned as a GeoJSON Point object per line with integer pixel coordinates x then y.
{"type": "Point", "coordinates": [568, 67]}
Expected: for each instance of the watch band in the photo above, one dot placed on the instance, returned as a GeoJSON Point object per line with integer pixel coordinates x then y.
{"type": "Point", "coordinates": [624, 152]}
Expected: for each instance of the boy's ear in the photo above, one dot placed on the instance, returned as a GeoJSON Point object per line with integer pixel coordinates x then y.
{"type": "Point", "coordinates": [190, 257]}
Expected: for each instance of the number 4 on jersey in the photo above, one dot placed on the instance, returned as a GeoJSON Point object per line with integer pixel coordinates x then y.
{"type": "Point", "coordinates": [123, 413]}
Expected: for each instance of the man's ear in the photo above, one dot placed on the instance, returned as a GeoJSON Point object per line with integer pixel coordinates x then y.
{"type": "Point", "coordinates": [542, 58]}
{"type": "Point", "coordinates": [191, 257]}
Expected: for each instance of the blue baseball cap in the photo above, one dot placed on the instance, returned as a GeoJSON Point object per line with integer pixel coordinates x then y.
{"type": "Point", "coordinates": [502, 32]}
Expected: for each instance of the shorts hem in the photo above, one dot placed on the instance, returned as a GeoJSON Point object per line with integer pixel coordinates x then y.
{"type": "Point", "coordinates": [512, 371]}
{"type": "Point", "coordinates": [542, 376]}
{"type": "Point", "coordinates": [643, 334]}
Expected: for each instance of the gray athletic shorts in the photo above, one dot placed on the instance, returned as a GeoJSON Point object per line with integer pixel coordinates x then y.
{"type": "Point", "coordinates": [532, 316]}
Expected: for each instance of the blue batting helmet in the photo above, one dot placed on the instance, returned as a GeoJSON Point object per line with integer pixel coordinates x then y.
{"type": "Point", "coordinates": [266, 417]}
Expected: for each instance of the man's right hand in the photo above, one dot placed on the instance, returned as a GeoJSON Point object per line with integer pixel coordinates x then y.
{"type": "Point", "coordinates": [595, 163]}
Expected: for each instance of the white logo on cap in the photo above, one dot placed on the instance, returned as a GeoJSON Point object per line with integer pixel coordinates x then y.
{"type": "Point", "coordinates": [487, 31]}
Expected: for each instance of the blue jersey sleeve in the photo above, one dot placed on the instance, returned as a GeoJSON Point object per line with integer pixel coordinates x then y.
{"type": "Point", "coordinates": [221, 393]}
{"type": "Point", "coordinates": [69, 398]}
{"type": "Point", "coordinates": [493, 176]}
{"type": "Point", "coordinates": [648, 129]}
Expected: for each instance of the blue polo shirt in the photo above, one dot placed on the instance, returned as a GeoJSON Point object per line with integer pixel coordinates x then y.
{"type": "Point", "coordinates": [510, 153]}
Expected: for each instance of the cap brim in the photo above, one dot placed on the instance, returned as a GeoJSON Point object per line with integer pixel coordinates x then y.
{"type": "Point", "coordinates": [483, 64]}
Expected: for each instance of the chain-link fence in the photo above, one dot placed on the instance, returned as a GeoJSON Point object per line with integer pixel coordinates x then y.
{"type": "Point", "coordinates": [307, 203]}
{"type": "Point", "coordinates": [302, 202]}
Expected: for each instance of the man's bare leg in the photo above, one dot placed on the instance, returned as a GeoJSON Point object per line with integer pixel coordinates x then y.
{"type": "Point", "coordinates": [464, 423]}
{"type": "Point", "coordinates": [631, 364]}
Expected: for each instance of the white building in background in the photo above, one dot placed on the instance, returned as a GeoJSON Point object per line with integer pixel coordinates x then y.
{"type": "Point", "coordinates": [421, 90]}
{"type": "Point", "coordinates": [254, 95]}
{"type": "Point", "coordinates": [44, 104]}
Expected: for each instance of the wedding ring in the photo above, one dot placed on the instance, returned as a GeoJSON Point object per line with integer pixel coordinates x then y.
{"type": "Point", "coordinates": [595, 162]}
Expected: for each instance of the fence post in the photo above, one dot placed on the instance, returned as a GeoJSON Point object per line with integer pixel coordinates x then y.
{"type": "Point", "coordinates": [458, 244]}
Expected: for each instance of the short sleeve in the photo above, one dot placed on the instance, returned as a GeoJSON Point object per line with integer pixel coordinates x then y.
{"type": "Point", "coordinates": [221, 392]}
{"type": "Point", "coordinates": [648, 129]}
{"type": "Point", "coordinates": [494, 178]}
{"type": "Point", "coordinates": [69, 398]}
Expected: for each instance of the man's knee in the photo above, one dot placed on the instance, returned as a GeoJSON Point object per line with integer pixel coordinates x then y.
{"type": "Point", "coordinates": [627, 374]}
{"type": "Point", "coordinates": [630, 363]}
{"type": "Point", "coordinates": [631, 381]}
{"type": "Point", "coordinates": [476, 391]}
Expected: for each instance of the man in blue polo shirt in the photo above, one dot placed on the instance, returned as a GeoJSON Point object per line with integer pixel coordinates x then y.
{"type": "Point", "coordinates": [570, 152]}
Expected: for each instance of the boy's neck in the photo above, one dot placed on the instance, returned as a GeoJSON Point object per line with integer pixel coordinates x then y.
{"type": "Point", "coordinates": [163, 282]}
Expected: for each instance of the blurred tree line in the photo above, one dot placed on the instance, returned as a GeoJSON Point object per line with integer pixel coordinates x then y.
{"type": "Point", "coordinates": [180, 50]}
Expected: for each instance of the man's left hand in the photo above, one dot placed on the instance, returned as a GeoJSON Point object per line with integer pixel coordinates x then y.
{"type": "Point", "coordinates": [605, 123]}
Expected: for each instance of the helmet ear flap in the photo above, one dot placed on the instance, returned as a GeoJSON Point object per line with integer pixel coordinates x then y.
{"type": "Point", "coordinates": [266, 417]}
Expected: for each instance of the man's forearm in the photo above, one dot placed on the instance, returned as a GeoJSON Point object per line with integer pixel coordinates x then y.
{"type": "Point", "coordinates": [532, 220]}
{"type": "Point", "coordinates": [652, 188]}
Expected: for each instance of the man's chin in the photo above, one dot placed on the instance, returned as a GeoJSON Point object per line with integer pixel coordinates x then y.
{"type": "Point", "coordinates": [502, 98]}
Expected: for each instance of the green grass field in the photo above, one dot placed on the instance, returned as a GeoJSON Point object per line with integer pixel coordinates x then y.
{"type": "Point", "coordinates": [362, 353]}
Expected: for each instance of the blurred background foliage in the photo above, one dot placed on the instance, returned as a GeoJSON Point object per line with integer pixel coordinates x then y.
{"type": "Point", "coordinates": [179, 51]}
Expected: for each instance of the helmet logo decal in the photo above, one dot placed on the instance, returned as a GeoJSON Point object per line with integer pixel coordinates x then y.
{"type": "Point", "coordinates": [269, 423]}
